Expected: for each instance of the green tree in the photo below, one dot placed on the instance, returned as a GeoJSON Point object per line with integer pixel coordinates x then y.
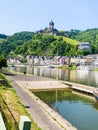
{"type": "Point", "coordinates": [3, 62]}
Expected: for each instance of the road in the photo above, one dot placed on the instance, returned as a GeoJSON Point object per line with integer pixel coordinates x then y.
{"type": "Point", "coordinates": [42, 119]}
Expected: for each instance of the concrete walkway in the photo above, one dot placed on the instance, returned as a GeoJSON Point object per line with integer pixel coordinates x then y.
{"type": "Point", "coordinates": [42, 85]}
{"type": "Point", "coordinates": [44, 116]}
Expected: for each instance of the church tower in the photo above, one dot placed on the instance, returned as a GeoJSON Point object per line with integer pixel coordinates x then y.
{"type": "Point", "coordinates": [51, 25]}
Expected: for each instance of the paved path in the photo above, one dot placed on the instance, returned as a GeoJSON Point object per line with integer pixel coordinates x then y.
{"type": "Point", "coordinates": [41, 117]}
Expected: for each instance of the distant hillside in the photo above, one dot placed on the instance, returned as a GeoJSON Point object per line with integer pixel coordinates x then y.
{"type": "Point", "coordinates": [21, 36]}
{"type": "Point", "coordinates": [90, 35]}
{"type": "Point", "coordinates": [25, 43]}
{"type": "Point", "coordinates": [3, 36]}
{"type": "Point", "coordinates": [12, 42]}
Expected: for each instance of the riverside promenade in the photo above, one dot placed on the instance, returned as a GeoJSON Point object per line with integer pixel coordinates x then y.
{"type": "Point", "coordinates": [43, 115]}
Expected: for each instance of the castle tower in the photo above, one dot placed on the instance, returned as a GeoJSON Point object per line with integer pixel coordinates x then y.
{"type": "Point", "coordinates": [51, 25]}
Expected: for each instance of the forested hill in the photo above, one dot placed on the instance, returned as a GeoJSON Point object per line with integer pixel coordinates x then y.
{"type": "Point", "coordinates": [28, 43]}
{"type": "Point", "coordinates": [48, 45]}
{"type": "Point", "coordinates": [45, 44]}
{"type": "Point", "coordinates": [10, 43]}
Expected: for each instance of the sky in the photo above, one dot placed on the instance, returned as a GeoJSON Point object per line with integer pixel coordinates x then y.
{"type": "Point", "coordinates": [33, 15]}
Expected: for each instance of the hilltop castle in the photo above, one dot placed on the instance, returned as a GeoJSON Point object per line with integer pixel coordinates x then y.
{"type": "Point", "coordinates": [49, 30]}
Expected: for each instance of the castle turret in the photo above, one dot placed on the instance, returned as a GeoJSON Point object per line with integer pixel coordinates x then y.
{"type": "Point", "coordinates": [51, 25]}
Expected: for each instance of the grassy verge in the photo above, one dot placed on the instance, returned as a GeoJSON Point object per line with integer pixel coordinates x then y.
{"type": "Point", "coordinates": [4, 81]}
{"type": "Point", "coordinates": [95, 69]}
{"type": "Point", "coordinates": [12, 108]}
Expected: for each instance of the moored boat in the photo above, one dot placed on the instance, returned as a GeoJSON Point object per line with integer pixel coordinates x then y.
{"type": "Point", "coordinates": [95, 93]}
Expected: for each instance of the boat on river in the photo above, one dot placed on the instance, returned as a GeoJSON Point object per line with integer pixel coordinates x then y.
{"type": "Point", "coordinates": [95, 93]}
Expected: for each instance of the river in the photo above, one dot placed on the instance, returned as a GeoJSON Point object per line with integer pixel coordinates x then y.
{"type": "Point", "coordinates": [89, 78]}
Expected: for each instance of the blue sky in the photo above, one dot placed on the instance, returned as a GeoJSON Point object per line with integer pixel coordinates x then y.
{"type": "Point", "coordinates": [32, 15]}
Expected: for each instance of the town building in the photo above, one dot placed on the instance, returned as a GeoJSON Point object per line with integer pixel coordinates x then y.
{"type": "Point", "coordinates": [84, 46]}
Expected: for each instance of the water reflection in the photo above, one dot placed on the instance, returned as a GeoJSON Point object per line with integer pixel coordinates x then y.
{"type": "Point", "coordinates": [80, 111]}
{"type": "Point", "coordinates": [83, 77]}
{"type": "Point", "coordinates": [56, 101]}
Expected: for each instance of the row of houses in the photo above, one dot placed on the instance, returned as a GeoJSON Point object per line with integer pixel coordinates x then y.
{"type": "Point", "coordinates": [57, 60]}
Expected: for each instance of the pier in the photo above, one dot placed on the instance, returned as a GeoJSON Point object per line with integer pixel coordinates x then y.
{"type": "Point", "coordinates": [79, 87]}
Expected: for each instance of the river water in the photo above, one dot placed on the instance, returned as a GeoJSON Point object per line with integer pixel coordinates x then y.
{"type": "Point", "coordinates": [89, 78]}
{"type": "Point", "coordinates": [78, 110]}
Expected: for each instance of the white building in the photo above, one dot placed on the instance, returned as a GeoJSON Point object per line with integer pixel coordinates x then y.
{"type": "Point", "coordinates": [84, 46]}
